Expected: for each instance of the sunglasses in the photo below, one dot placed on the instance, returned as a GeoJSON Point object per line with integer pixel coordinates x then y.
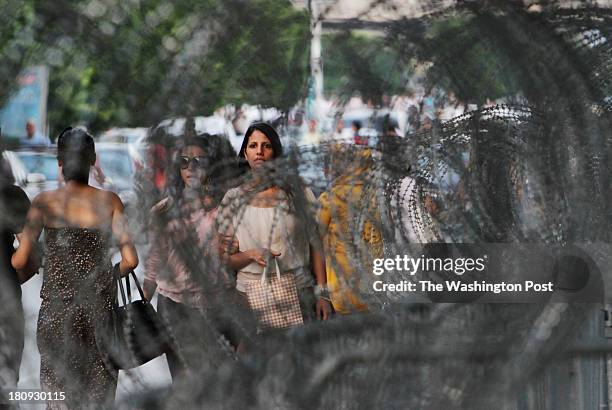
{"type": "Point", "coordinates": [199, 162]}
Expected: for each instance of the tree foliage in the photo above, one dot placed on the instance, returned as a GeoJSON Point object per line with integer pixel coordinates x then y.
{"type": "Point", "coordinates": [16, 41]}
{"type": "Point", "coordinates": [469, 61]}
{"type": "Point", "coordinates": [136, 62]}
{"type": "Point", "coordinates": [466, 59]}
{"type": "Point", "coordinates": [355, 62]}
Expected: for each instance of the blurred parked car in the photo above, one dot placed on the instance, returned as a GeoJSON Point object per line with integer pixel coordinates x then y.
{"type": "Point", "coordinates": [34, 170]}
{"type": "Point", "coordinates": [18, 170]}
{"type": "Point", "coordinates": [118, 167]}
{"type": "Point", "coordinates": [133, 138]}
{"type": "Point", "coordinates": [124, 135]}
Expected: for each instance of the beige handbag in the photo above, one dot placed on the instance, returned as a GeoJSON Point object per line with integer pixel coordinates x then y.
{"type": "Point", "coordinates": [275, 300]}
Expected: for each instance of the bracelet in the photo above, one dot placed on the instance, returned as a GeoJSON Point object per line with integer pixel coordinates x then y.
{"type": "Point", "coordinates": [321, 292]}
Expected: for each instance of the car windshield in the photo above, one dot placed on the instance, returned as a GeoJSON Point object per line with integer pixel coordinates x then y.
{"type": "Point", "coordinates": [41, 164]}
{"type": "Point", "coordinates": [116, 164]}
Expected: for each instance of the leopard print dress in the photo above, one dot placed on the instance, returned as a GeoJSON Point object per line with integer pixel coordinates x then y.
{"type": "Point", "coordinates": [77, 293]}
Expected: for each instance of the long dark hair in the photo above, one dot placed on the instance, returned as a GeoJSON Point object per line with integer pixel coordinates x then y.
{"type": "Point", "coordinates": [283, 173]}
{"type": "Point", "coordinates": [268, 131]}
{"type": "Point", "coordinates": [76, 150]}
{"type": "Point", "coordinates": [221, 171]}
{"type": "Point", "coordinates": [288, 180]}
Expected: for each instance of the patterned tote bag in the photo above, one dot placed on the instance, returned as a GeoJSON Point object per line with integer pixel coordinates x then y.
{"type": "Point", "coordinates": [275, 300]}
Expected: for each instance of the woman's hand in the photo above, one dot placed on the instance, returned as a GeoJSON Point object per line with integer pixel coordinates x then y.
{"type": "Point", "coordinates": [261, 255]}
{"type": "Point", "coordinates": [119, 226]}
{"type": "Point", "coordinates": [26, 259]}
{"type": "Point", "coordinates": [33, 264]}
{"type": "Point", "coordinates": [229, 244]}
{"type": "Point", "coordinates": [323, 309]}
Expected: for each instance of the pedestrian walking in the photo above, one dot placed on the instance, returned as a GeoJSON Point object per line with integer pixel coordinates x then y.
{"type": "Point", "coordinates": [269, 221]}
{"type": "Point", "coordinates": [184, 264]}
{"type": "Point", "coordinates": [79, 222]}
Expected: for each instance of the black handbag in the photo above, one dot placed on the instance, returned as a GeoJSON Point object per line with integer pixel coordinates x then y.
{"type": "Point", "coordinates": [134, 333]}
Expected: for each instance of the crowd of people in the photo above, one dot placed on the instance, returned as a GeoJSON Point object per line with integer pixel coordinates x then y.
{"type": "Point", "coordinates": [223, 226]}
{"type": "Point", "coordinates": [362, 121]}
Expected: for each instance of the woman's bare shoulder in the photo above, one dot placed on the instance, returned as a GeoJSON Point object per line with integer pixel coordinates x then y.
{"type": "Point", "coordinates": [47, 197]}
{"type": "Point", "coordinates": [42, 199]}
{"type": "Point", "coordinates": [103, 197]}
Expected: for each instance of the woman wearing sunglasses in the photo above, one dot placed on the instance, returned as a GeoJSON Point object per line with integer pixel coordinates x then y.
{"type": "Point", "coordinates": [183, 263]}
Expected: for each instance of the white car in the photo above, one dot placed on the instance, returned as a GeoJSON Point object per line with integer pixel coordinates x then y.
{"type": "Point", "coordinates": [118, 166]}
{"type": "Point", "coordinates": [133, 138]}
{"type": "Point", "coordinates": [34, 171]}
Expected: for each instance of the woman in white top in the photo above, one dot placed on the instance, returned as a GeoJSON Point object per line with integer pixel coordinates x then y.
{"type": "Point", "coordinates": [267, 217]}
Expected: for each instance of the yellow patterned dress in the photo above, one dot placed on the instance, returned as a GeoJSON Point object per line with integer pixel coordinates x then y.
{"type": "Point", "coordinates": [349, 221]}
